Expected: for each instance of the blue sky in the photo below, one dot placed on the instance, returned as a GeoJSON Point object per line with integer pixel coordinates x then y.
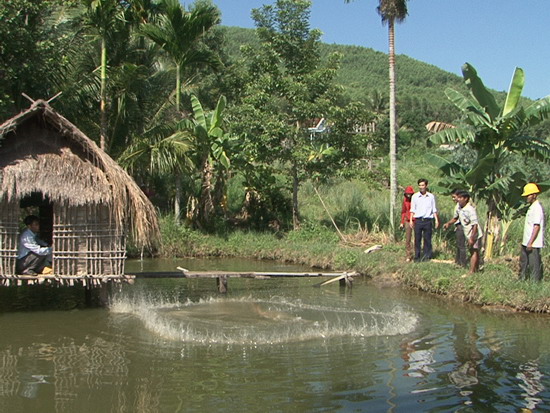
{"type": "Point", "coordinates": [494, 36]}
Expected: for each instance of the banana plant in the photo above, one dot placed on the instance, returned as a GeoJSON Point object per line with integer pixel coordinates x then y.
{"type": "Point", "coordinates": [211, 147]}
{"type": "Point", "coordinates": [494, 134]}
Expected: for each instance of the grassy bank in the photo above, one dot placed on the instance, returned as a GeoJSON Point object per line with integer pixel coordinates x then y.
{"type": "Point", "coordinates": [318, 246]}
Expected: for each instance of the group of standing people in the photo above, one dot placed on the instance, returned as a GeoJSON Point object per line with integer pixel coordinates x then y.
{"type": "Point", "coordinates": [419, 216]}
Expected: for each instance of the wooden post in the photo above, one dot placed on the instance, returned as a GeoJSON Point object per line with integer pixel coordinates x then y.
{"type": "Point", "coordinates": [104, 294]}
{"type": "Point", "coordinates": [221, 281]}
{"type": "Point", "coordinates": [346, 281]}
{"type": "Point", "coordinates": [88, 295]}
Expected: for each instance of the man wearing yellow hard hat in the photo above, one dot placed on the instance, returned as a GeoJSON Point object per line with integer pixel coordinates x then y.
{"type": "Point", "coordinates": [533, 236]}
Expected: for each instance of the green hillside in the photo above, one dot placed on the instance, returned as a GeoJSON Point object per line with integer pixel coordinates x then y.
{"type": "Point", "coordinates": [421, 86]}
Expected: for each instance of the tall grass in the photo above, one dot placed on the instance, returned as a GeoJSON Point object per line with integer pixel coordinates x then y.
{"type": "Point", "coordinates": [352, 204]}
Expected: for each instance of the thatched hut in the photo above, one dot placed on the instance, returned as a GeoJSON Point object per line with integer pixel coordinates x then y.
{"type": "Point", "coordinates": [84, 199]}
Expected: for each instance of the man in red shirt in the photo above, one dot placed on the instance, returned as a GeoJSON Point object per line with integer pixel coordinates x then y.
{"type": "Point", "coordinates": [405, 214]}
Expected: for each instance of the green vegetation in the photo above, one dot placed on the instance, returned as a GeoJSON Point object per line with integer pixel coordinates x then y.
{"type": "Point", "coordinates": [494, 135]}
{"type": "Point", "coordinates": [218, 126]}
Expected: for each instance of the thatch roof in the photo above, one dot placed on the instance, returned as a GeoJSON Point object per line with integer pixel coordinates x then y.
{"type": "Point", "coordinates": [41, 151]}
{"type": "Point", "coordinates": [435, 126]}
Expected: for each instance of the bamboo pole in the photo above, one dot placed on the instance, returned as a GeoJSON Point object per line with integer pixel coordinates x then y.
{"type": "Point", "coordinates": [329, 214]}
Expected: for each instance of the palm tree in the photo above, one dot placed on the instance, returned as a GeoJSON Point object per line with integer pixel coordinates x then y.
{"type": "Point", "coordinates": [178, 33]}
{"type": "Point", "coordinates": [392, 11]}
{"type": "Point", "coordinates": [129, 82]}
{"type": "Point", "coordinates": [104, 17]}
{"type": "Point", "coordinates": [160, 151]}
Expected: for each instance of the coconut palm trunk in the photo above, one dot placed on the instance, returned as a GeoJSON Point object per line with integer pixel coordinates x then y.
{"type": "Point", "coordinates": [103, 98]}
{"type": "Point", "coordinates": [178, 180]}
{"type": "Point", "coordinates": [393, 122]}
{"type": "Point", "coordinates": [178, 87]}
{"type": "Point", "coordinates": [392, 11]}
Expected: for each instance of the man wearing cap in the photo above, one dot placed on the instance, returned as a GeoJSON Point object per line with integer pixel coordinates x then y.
{"type": "Point", "coordinates": [533, 236]}
{"type": "Point", "coordinates": [424, 214]}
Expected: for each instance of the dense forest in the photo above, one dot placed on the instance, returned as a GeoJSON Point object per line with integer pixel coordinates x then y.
{"type": "Point", "coordinates": [218, 124]}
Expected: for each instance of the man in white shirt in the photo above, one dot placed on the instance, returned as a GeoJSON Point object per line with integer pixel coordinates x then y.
{"type": "Point", "coordinates": [423, 215]}
{"type": "Point", "coordinates": [460, 256]}
{"type": "Point", "coordinates": [533, 236]}
{"type": "Point", "coordinates": [33, 254]}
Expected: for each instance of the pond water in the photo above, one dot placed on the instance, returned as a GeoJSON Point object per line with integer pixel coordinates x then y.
{"type": "Point", "coordinates": [176, 345]}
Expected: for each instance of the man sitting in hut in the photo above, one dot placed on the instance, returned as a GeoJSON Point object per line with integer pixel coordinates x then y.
{"type": "Point", "coordinates": [34, 256]}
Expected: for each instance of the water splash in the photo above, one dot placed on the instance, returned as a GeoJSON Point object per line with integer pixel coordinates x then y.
{"type": "Point", "coordinates": [256, 321]}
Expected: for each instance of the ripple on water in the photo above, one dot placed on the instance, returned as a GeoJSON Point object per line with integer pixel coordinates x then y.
{"type": "Point", "coordinates": [251, 321]}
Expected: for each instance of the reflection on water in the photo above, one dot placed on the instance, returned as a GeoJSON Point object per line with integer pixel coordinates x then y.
{"type": "Point", "coordinates": [531, 384]}
{"type": "Point", "coordinates": [278, 345]}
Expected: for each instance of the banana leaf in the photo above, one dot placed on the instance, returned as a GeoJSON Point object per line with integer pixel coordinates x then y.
{"type": "Point", "coordinates": [447, 167]}
{"type": "Point", "coordinates": [480, 92]}
{"type": "Point", "coordinates": [538, 111]}
{"type": "Point", "coordinates": [480, 171]}
{"type": "Point", "coordinates": [198, 112]}
{"type": "Point", "coordinates": [456, 135]}
{"type": "Point", "coordinates": [514, 91]}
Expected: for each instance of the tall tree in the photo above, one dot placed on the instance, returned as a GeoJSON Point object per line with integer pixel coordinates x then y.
{"type": "Point", "coordinates": [130, 83]}
{"type": "Point", "coordinates": [104, 17]}
{"type": "Point", "coordinates": [391, 12]}
{"type": "Point", "coordinates": [179, 33]}
{"type": "Point", "coordinates": [288, 89]}
{"type": "Point", "coordinates": [32, 52]}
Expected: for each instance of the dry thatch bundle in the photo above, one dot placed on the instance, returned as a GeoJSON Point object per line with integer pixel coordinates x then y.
{"type": "Point", "coordinates": [435, 126]}
{"type": "Point", "coordinates": [41, 151]}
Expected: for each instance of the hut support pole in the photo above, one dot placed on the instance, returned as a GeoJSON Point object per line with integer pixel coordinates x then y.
{"type": "Point", "coordinates": [104, 294]}
{"type": "Point", "coordinates": [88, 294]}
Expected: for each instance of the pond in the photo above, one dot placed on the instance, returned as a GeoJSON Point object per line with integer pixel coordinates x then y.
{"type": "Point", "coordinates": [176, 345]}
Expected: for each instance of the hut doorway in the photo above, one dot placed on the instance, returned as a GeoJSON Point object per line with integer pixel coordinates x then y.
{"type": "Point", "coordinates": [39, 205]}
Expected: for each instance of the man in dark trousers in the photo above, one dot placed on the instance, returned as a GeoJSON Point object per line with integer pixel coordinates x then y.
{"type": "Point", "coordinates": [461, 257]}
{"type": "Point", "coordinates": [422, 218]}
{"type": "Point", "coordinates": [533, 236]}
{"type": "Point", "coordinates": [33, 254]}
